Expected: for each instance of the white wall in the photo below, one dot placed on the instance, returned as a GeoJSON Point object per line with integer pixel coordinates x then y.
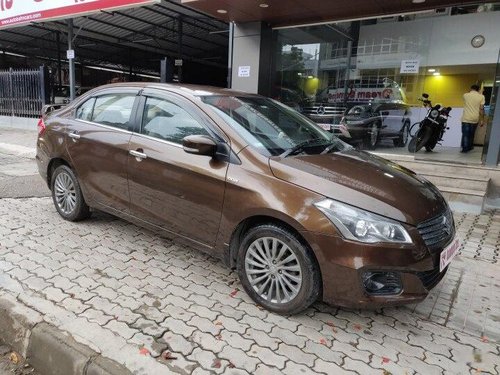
{"type": "Point", "coordinates": [444, 40]}
{"type": "Point", "coordinates": [18, 122]}
{"type": "Point", "coordinates": [453, 136]}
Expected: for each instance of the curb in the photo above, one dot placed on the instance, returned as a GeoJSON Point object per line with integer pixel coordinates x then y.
{"type": "Point", "coordinates": [48, 349]}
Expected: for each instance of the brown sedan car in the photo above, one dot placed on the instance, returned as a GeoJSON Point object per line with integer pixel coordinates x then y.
{"type": "Point", "coordinates": [300, 214]}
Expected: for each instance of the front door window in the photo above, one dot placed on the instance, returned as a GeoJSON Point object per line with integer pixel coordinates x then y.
{"type": "Point", "coordinates": [165, 120]}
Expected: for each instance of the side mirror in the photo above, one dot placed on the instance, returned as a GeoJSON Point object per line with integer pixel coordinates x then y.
{"type": "Point", "coordinates": [199, 145]}
{"type": "Point", "coordinates": [426, 96]}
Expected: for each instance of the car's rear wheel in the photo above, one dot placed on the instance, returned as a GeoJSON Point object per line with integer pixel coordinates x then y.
{"type": "Point", "coordinates": [67, 195]}
{"type": "Point", "coordinates": [277, 270]}
{"type": "Point", "coordinates": [403, 136]}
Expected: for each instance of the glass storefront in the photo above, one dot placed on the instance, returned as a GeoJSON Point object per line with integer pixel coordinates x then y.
{"type": "Point", "coordinates": [364, 80]}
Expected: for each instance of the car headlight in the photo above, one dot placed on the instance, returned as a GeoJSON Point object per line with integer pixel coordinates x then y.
{"type": "Point", "coordinates": [363, 226]}
{"type": "Point", "coordinates": [434, 113]}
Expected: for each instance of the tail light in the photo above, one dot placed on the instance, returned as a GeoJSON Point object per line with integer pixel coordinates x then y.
{"type": "Point", "coordinates": [41, 126]}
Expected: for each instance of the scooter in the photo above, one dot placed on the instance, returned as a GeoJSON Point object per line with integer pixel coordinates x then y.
{"type": "Point", "coordinates": [431, 128]}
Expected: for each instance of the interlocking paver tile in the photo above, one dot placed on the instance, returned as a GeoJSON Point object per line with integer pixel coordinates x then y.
{"type": "Point", "coordinates": [262, 338]}
{"type": "Point", "coordinates": [208, 341]}
{"type": "Point", "coordinates": [119, 288]}
{"type": "Point", "coordinates": [178, 343]}
{"type": "Point", "coordinates": [236, 340]}
{"type": "Point", "coordinates": [239, 358]}
{"type": "Point", "coordinates": [288, 337]}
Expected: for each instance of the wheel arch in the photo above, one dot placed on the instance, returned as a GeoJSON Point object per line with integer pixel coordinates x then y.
{"type": "Point", "coordinates": [53, 164]}
{"type": "Point", "coordinates": [250, 222]}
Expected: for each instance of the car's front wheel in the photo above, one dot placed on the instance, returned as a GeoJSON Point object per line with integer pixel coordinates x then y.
{"type": "Point", "coordinates": [278, 270]}
{"type": "Point", "coordinates": [67, 195]}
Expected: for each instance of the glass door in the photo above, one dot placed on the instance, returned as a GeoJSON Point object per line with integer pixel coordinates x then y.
{"type": "Point", "coordinates": [491, 145]}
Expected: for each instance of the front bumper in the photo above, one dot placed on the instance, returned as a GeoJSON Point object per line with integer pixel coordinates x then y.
{"type": "Point", "coordinates": [343, 263]}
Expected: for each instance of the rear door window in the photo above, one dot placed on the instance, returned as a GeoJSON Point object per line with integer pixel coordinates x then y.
{"type": "Point", "coordinates": [114, 110]}
{"type": "Point", "coordinates": [168, 121]}
{"type": "Point", "coordinates": [84, 112]}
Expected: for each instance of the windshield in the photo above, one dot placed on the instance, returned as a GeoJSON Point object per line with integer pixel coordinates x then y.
{"type": "Point", "coordinates": [273, 128]}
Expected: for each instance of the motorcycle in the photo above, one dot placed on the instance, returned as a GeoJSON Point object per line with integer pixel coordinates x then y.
{"type": "Point", "coordinates": [432, 128]}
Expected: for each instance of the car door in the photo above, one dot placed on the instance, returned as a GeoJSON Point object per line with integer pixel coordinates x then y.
{"type": "Point", "coordinates": [179, 192]}
{"type": "Point", "coordinates": [98, 146]}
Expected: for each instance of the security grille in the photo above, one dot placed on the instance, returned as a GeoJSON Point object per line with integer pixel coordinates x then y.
{"type": "Point", "coordinates": [22, 92]}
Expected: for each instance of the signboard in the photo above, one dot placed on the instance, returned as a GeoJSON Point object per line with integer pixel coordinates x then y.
{"type": "Point", "coordinates": [244, 71]}
{"type": "Point", "coordinates": [365, 94]}
{"type": "Point", "coordinates": [178, 62]}
{"type": "Point", "coordinates": [410, 66]}
{"type": "Point", "coordinates": [70, 54]}
{"type": "Point", "coordinates": [20, 12]}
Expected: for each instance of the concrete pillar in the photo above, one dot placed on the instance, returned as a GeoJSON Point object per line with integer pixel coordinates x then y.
{"type": "Point", "coordinates": [252, 62]}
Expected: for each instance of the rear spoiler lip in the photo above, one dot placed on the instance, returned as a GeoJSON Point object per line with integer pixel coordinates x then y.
{"type": "Point", "coordinates": [49, 108]}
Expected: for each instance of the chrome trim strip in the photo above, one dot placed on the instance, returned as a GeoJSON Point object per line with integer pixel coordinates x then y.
{"type": "Point", "coordinates": [158, 140]}
{"type": "Point", "coordinates": [103, 126]}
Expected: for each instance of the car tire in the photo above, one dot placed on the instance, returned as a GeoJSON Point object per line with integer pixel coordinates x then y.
{"type": "Point", "coordinates": [403, 136]}
{"type": "Point", "coordinates": [67, 195]}
{"type": "Point", "coordinates": [283, 288]}
{"type": "Point", "coordinates": [373, 136]}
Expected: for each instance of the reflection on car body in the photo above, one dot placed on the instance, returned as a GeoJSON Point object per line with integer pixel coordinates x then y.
{"type": "Point", "coordinates": [363, 114]}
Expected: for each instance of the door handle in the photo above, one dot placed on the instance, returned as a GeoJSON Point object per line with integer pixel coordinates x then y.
{"type": "Point", "coordinates": [74, 135]}
{"type": "Point", "coordinates": [138, 155]}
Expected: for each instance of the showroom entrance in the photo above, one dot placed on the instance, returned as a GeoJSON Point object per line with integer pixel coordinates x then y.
{"type": "Point", "coordinates": [360, 70]}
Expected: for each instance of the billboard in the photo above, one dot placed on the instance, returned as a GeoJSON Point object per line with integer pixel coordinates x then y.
{"type": "Point", "coordinates": [21, 12]}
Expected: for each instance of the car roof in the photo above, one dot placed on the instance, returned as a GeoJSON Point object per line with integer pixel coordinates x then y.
{"type": "Point", "coordinates": [181, 88]}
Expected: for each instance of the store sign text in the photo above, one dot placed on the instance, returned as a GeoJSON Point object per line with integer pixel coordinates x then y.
{"type": "Point", "coordinates": [19, 12]}
{"type": "Point", "coordinates": [363, 94]}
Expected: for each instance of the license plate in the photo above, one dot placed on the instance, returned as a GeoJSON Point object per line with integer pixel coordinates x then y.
{"type": "Point", "coordinates": [325, 126]}
{"type": "Point", "coordinates": [448, 254]}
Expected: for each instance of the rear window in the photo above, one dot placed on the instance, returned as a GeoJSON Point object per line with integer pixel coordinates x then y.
{"type": "Point", "coordinates": [114, 110]}
{"type": "Point", "coordinates": [84, 112]}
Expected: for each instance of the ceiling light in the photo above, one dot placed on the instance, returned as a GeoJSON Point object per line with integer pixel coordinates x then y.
{"type": "Point", "coordinates": [221, 11]}
{"type": "Point", "coordinates": [436, 74]}
{"type": "Point", "coordinates": [431, 70]}
{"type": "Point", "coordinates": [418, 1]}
{"type": "Point", "coordinates": [264, 5]}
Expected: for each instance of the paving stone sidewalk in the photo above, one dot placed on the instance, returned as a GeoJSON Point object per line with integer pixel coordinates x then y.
{"type": "Point", "coordinates": [132, 295]}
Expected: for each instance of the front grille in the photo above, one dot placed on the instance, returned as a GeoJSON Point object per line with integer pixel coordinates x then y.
{"type": "Point", "coordinates": [438, 231]}
{"type": "Point", "coordinates": [431, 278]}
{"type": "Point", "coordinates": [327, 110]}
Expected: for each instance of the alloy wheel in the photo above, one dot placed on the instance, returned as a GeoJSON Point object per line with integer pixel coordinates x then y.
{"type": "Point", "coordinates": [273, 270]}
{"type": "Point", "coordinates": [65, 193]}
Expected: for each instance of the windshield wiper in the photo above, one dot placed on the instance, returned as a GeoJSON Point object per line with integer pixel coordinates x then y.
{"type": "Point", "coordinates": [301, 146]}
{"type": "Point", "coordinates": [335, 144]}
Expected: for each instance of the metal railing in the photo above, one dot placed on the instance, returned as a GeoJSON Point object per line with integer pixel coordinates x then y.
{"type": "Point", "coordinates": [23, 92]}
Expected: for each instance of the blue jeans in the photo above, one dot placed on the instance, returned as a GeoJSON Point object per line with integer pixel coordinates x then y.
{"type": "Point", "coordinates": [468, 131]}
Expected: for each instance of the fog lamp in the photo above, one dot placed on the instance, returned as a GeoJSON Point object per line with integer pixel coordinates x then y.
{"type": "Point", "coordinates": [382, 283]}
